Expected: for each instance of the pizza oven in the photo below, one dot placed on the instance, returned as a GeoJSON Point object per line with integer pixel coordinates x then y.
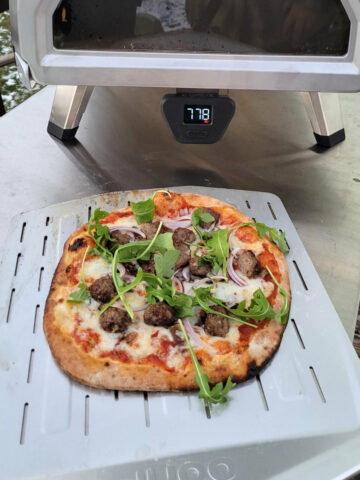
{"type": "Point", "coordinates": [199, 48]}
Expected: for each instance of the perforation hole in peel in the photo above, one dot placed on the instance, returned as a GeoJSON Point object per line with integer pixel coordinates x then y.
{"type": "Point", "coordinates": [30, 368]}
{"type": "Point", "coordinates": [116, 395]}
{"type": "Point", "coordinates": [272, 210]}
{"type": "Point", "coordinates": [17, 264]}
{"type": "Point", "coordinates": [300, 275]}
{"type": "Point", "coordinates": [247, 203]}
{"type": "Point", "coordinates": [23, 423]}
{"type": "Point", "coordinates": [22, 232]}
{"type": "Point", "coordinates": [298, 333]}
{"type": "Point", "coordinates": [47, 221]}
{"type": "Point", "coordinates": [40, 278]}
{"type": "Point", "coordinates": [8, 316]}
{"type": "Point", "coordinates": [207, 410]}
{"type": "Point", "coordinates": [36, 313]}
{"type": "Point", "coordinates": [89, 213]}
{"type": "Point", "coordinates": [317, 383]}
{"type": "Point", "coordinates": [262, 393]}
{"type": "Point", "coordinates": [44, 245]}
{"type": "Point", "coordinates": [87, 415]}
{"type": "Point", "coordinates": [287, 243]}
{"type": "Point", "coordinates": [146, 409]}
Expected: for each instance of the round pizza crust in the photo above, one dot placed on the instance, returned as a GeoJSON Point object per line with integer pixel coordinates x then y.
{"type": "Point", "coordinates": [112, 374]}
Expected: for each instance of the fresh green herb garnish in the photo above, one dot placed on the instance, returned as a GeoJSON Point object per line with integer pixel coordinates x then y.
{"type": "Point", "coordinates": [123, 288]}
{"type": "Point", "coordinates": [81, 294]}
{"type": "Point", "coordinates": [198, 217]}
{"type": "Point", "coordinates": [144, 211]}
{"type": "Point", "coordinates": [275, 235]}
{"type": "Point", "coordinates": [165, 264]}
{"type": "Point", "coordinates": [204, 299]}
{"type": "Point", "coordinates": [100, 234]}
{"type": "Point", "coordinates": [219, 246]}
{"type": "Point", "coordinates": [216, 394]}
{"type": "Point", "coordinates": [282, 315]}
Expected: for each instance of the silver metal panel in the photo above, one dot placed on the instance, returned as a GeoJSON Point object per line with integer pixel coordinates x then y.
{"type": "Point", "coordinates": [51, 426]}
{"type": "Point", "coordinates": [32, 25]}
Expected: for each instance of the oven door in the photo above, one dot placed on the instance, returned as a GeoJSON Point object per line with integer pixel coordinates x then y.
{"type": "Point", "coordinates": [305, 45]}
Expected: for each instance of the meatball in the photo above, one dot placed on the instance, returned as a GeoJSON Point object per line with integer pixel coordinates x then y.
{"type": "Point", "coordinates": [213, 213]}
{"type": "Point", "coordinates": [131, 268]}
{"type": "Point", "coordinates": [121, 238]}
{"type": "Point", "coordinates": [183, 235]}
{"type": "Point", "coordinates": [103, 289]}
{"type": "Point", "coordinates": [159, 315]}
{"type": "Point", "coordinates": [114, 320]}
{"type": "Point", "coordinates": [216, 325]}
{"type": "Point", "coordinates": [177, 334]}
{"type": "Point", "coordinates": [150, 229]}
{"type": "Point", "coordinates": [248, 264]}
{"type": "Point", "coordinates": [148, 266]}
{"type": "Point", "coordinates": [201, 270]}
{"type": "Point", "coordinates": [184, 257]}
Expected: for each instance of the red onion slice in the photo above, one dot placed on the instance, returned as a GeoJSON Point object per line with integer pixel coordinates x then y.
{"type": "Point", "coordinates": [178, 285]}
{"type": "Point", "coordinates": [232, 274]}
{"type": "Point", "coordinates": [186, 273]}
{"type": "Point", "coordinates": [218, 278]}
{"type": "Point", "coordinates": [121, 270]}
{"type": "Point", "coordinates": [195, 337]}
{"type": "Point", "coordinates": [180, 222]}
{"type": "Point", "coordinates": [128, 229]}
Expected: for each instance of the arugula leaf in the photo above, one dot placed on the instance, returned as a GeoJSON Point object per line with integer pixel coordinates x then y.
{"type": "Point", "coordinates": [124, 289]}
{"type": "Point", "coordinates": [197, 217]}
{"type": "Point", "coordinates": [214, 395]}
{"type": "Point", "coordinates": [203, 298]}
{"type": "Point", "coordinates": [165, 264]}
{"type": "Point", "coordinates": [275, 235]}
{"type": "Point", "coordinates": [100, 234]}
{"type": "Point", "coordinates": [219, 245]}
{"type": "Point", "coordinates": [282, 315]}
{"type": "Point", "coordinates": [259, 309]}
{"type": "Point", "coordinates": [79, 295]}
{"type": "Point", "coordinates": [183, 305]}
{"type": "Point", "coordinates": [131, 252]}
{"type": "Point", "coordinates": [143, 211]}
{"type": "Point", "coordinates": [82, 293]}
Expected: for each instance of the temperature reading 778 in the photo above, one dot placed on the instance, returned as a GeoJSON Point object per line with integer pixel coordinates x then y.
{"type": "Point", "coordinates": [200, 114]}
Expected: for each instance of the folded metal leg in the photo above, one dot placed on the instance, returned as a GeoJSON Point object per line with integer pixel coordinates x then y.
{"type": "Point", "coordinates": [325, 115]}
{"type": "Point", "coordinates": [69, 105]}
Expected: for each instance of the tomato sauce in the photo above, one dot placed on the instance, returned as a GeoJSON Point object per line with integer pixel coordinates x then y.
{"type": "Point", "coordinates": [119, 355]}
{"type": "Point", "coordinates": [222, 346]}
{"type": "Point", "coordinates": [226, 216]}
{"type": "Point", "coordinates": [266, 258]}
{"type": "Point", "coordinates": [164, 346]}
{"type": "Point", "coordinates": [158, 362]}
{"type": "Point", "coordinates": [86, 338]}
{"type": "Point", "coordinates": [112, 217]}
{"type": "Point", "coordinates": [247, 234]}
{"type": "Point", "coordinates": [246, 332]}
{"type": "Point", "coordinates": [72, 272]}
{"type": "Point", "coordinates": [169, 206]}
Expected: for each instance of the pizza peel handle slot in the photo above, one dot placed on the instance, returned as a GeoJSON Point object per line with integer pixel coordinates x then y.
{"type": "Point", "coordinates": [8, 316]}
{"type": "Point", "coordinates": [24, 423]}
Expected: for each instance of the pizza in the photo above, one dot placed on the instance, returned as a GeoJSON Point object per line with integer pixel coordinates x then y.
{"type": "Point", "coordinates": [171, 293]}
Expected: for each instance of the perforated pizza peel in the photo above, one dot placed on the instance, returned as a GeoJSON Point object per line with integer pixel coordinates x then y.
{"type": "Point", "coordinates": [299, 419]}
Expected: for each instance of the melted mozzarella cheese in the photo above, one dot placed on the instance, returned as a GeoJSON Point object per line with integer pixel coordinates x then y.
{"type": "Point", "coordinates": [95, 268]}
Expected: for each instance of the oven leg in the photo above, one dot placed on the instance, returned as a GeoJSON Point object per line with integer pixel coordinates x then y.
{"type": "Point", "coordinates": [325, 116]}
{"type": "Point", "coordinates": [69, 105]}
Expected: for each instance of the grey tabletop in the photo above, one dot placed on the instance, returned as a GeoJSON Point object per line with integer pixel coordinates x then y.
{"type": "Point", "coordinates": [124, 143]}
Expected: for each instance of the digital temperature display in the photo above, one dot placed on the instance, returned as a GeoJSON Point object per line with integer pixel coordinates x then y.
{"type": "Point", "coordinates": [198, 114]}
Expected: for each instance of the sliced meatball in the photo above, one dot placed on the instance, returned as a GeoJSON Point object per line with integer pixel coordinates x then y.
{"type": "Point", "coordinates": [248, 264]}
{"type": "Point", "coordinates": [121, 238]}
{"type": "Point", "coordinates": [216, 325]}
{"type": "Point", "coordinates": [159, 315]}
{"type": "Point", "coordinates": [200, 270]}
{"type": "Point", "coordinates": [131, 268]}
{"type": "Point", "coordinates": [150, 229]}
{"type": "Point", "coordinates": [177, 334]}
{"type": "Point", "coordinates": [213, 213]}
{"type": "Point", "coordinates": [103, 289]}
{"type": "Point", "coordinates": [183, 235]}
{"type": "Point", "coordinates": [114, 320]}
{"type": "Point", "coordinates": [184, 257]}
{"type": "Point", "coordinates": [148, 266]}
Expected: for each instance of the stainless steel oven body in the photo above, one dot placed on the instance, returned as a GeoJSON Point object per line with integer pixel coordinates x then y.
{"type": "Point", "coordinates": [186, 67]}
